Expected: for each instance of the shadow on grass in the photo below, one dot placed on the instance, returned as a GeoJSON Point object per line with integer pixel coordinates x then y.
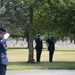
{"type": "Point", "coordinates": [22, 62]}
{"type": "Point", "coordinates": [66, 50]}
{"type": "Point", "coordinates": [42, 65]}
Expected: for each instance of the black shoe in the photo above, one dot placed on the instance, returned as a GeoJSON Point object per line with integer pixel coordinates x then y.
{"type": "Point", "coordinates": [51, 61]}
{"type": "Point", "coordinates": [38, 61]}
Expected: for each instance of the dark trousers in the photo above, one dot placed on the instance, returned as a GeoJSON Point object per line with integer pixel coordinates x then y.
{"type": "Point", "coordinates": [51, 52]}
{"type": "Point", "coordinates": [2, 69]}
{"type": "Point", "coordinates": [38, 55]}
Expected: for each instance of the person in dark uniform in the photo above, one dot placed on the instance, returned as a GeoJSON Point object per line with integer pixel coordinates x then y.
{"type": "Point", "coordinates": [3, 49]}
{"type": "Point", "coordinates": [38, 47]}
{"type": "Point", "coordinates": [51, 47]}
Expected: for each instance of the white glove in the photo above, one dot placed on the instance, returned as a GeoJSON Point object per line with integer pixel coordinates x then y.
{"type": "Point", "coordinates": [6, 36]}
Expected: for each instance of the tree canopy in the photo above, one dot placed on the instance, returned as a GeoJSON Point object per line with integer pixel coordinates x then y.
{"type": "Point", "coordinates": [55, 17]}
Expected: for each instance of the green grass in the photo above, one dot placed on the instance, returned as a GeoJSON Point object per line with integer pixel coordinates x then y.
{"type": "Point", "coordinates": [41, 65]}
{"type": "Point", "coordinates": [62, 59]}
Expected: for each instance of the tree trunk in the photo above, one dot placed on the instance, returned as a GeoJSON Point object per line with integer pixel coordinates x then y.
{"type": "Point", "coordinates": [30, 58]}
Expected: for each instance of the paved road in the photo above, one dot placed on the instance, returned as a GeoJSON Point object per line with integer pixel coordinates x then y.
{"type": "Point", "coordinates": [42, 72]}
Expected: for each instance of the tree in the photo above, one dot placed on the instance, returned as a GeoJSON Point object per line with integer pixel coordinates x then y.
{"type": "Point", "coordinates": [32, 5]}
{"type": "Point", "coordinates": [30, 34]}
{"type": "Point", "coordinates": [56, 18]}
{"type": "Point", "coordinates": [13, 15]}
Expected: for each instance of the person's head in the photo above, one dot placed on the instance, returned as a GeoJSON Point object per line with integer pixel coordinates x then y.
{"type": "Point", "coordinates": [51, 38]}
{"type": "Point", "coordinates": [2, 31]}
{"type": "Point", "coordinates": [37, 36]}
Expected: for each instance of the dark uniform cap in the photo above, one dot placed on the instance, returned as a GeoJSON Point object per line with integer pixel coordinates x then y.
{"type": "Point", "coordinates": [51, 38]}
{"type": "Point", "coordinates": [38, 36]}
{"type": "Point", "coordinates": [2, 29]}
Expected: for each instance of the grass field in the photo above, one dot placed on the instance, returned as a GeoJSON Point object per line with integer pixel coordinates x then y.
{"type": "Point", "coordinates": [64, 58]}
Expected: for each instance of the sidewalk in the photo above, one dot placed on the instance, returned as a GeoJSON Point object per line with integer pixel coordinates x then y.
{"type": "Point", "coordinates": [41, 72]}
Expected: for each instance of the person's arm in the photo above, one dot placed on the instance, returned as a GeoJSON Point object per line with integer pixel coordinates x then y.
{"type": "Point", "coordinates": [47, 42]}
{"type": "Point", "coordinates": [35, 42]}
{"type": "Point", "coordinates": [54, 44]}
{"type": "Point", "coordinates": [5, 38]}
